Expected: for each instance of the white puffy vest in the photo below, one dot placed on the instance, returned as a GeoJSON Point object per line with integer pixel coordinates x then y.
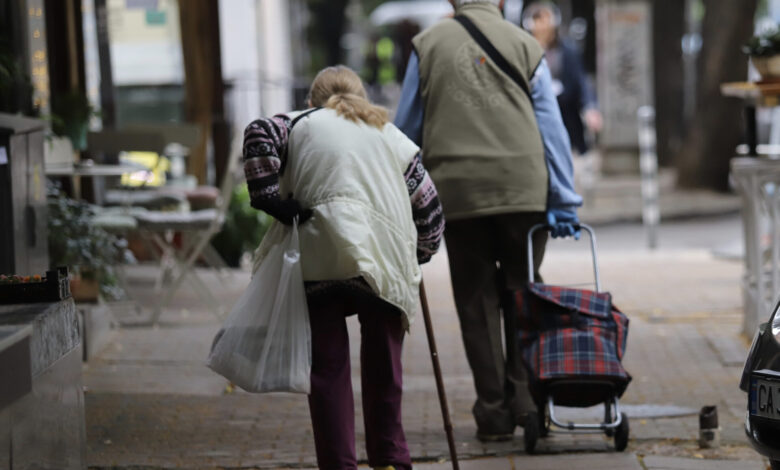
{"type": "Point", "coordinates": [352, 176]}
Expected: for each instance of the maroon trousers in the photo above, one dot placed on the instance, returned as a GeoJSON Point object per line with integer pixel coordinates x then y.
{"type": "Point", "coordinates": [330, 401]}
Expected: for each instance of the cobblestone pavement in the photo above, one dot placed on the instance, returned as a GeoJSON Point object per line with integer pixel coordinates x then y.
{"type": "Point", "coordinates": [151, 402]}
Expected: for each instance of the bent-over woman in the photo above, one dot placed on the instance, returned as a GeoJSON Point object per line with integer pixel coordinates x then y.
{"type": "Point", "coordinates": [368, 216]}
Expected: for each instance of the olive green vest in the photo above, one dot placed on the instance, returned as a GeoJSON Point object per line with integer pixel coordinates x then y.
{"type": "Point", "coordinates": [481, 143]}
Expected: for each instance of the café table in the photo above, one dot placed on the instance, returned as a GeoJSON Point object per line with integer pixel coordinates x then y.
{"type": "Point", "coordinates": [757, 180]}
{"type": "Point", "coordinates": [97, 169]}
{"type": "Point", "coordinates": [75, 171]}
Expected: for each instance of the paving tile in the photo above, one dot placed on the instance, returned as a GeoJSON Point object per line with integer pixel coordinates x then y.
{"type": "Point", "coordinates": [655, 462]}
{"type": "Point", "coordinates": [603, 461]}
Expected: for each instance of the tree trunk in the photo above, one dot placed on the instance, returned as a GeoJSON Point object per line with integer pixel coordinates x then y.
{"type": "Point", "coordinates": [668, 31]}
{"type": "Point", "coordinates": [203, 86]}
{"type": "Point", "coordinates": [328, 24]}
{"type": "Point", "coordinates": [717, 124]}
{"type": "Point", "coordinates": [65, 46]}
{"type": "Point", "coordinates": [107, 92]}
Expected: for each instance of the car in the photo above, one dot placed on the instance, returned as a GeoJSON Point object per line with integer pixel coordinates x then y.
{"type": "Point", "coordinates": [425, 13]}
{"type": "Point", "coordinates": [761, 381]}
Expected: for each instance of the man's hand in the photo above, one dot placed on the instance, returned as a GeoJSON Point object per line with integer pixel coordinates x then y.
{"type": "Point", "coordinates": [563, 223]}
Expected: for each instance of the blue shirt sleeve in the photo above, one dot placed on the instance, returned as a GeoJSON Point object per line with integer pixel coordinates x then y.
{"type": "Point", "coordinates": [557, 147]}
{"type": "Point", "coordinates": [409, 116]}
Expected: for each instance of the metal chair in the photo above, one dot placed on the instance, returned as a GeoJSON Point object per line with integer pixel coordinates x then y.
{"type": "Point", "coordinates": [179, 138]}
{"type": "Point", "coordinates": [196, 229]}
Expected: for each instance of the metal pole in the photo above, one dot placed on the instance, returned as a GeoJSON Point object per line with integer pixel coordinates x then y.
{"type": "Point", "coordinates": [445, 412]}
{"type": "Point", "coordinates": [751, 129]}
{"type": "Point", "coordinates": [648, 166]}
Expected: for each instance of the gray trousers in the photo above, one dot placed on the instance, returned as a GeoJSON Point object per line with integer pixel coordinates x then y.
{"type": "Point", "coordinates": [488, 255]}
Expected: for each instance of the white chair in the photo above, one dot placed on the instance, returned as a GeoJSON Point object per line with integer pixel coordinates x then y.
{"type": "Point", "coordinates": [196, 229]}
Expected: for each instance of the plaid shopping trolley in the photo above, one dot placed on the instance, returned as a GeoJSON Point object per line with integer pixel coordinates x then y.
{"type": "Point", "coordinates": [572, 342]}
{"type": "Point", "coordinates": [569, 333]}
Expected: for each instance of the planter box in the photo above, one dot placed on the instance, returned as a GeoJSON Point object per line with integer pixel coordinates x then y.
{"type": "Point", "coordinates": [84, 290]}
{"type": "Point", "coordinates": [53, 288]}
{"type": "Point", "coordinates": [45, 428]}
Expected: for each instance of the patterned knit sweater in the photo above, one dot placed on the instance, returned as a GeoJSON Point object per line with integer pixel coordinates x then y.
{"type": "Point", "coordinates": [265, 156]}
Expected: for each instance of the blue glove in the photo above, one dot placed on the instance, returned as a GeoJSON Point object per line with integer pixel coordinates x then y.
{"type": "Point", "coordinates": [563, 223]}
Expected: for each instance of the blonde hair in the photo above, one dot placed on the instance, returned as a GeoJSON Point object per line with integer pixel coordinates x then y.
{"type": "Point", "coordinates": [340, 89]}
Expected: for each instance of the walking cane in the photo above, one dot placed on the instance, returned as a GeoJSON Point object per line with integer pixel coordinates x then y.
{"type": "Point", "coordinates": [445, 412]}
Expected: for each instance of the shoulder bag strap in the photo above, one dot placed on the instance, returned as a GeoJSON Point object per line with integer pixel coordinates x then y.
{"type": "Point", "coordinates": [303, 115]}
{"type": "Point", "coordinates": [491, 51]}
{"type": "Point", "coordinates": [292, 124]}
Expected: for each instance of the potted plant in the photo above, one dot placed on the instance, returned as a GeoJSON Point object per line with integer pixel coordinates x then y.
{"type": "Point", "coordinates": [70, 115]}
{"type": "Point", "coordinates": [89, 251]}
{"type": "Point", "coordinates": [764, 51]}
{"type": "Point", "coordinates": [16, 89]}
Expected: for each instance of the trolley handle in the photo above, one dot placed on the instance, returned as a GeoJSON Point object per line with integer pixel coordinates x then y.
{"type": "Point", "coordinates": [584, 227]}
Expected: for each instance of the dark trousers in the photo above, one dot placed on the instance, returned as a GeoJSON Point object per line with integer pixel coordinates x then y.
{"type": "Point", "coordinates": [330, 401]}
{"type": "Point", "coordinates": [477, 248]}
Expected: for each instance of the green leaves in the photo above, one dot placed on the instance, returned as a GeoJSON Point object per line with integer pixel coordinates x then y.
{"type": "Point", "coordinates": [70, 117]}
{"type": "Point", "coordinates": [77, 243]}
{"type": "Point", "coordinates": [764, 45]}
{"type": "Point", "coordinates": [243, 230]}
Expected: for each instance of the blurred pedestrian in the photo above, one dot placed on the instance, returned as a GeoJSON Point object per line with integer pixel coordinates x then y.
{"type": "Point", "coordinates": [379, 69]}
{"type": "Point", "coordinates": [369, 213]}
{"type": "Point", "coordinates": [501, 160]}
{"type": "Point", "coordinates": [405, 31]}
{"type": "Point", "coordinates": [570, 82]}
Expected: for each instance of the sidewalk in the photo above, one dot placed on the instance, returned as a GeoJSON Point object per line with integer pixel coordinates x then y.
{"type": "Point", "coordinates": [615, 199]}
{"type": "Point", "coordinates": [151, 403]}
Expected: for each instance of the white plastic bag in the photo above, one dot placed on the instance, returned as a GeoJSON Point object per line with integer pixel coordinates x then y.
{"type": "Point", "coordinates": [265, 343]}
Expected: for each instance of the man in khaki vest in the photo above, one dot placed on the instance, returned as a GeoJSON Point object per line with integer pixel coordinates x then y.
{"type": "Point", "coordinates": [501, 160]}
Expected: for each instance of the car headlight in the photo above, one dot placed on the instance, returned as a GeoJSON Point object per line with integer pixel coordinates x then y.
{"type": "Point", "coordinates": [775, 324]}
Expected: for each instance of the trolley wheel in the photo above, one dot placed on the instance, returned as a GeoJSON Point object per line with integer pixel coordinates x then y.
{"type": "Point", "coordinates": [531, 432]}
{"type": "Point", "coordinates": [621, 434]}
{"type": "Point", "coordinates": [544, 422]}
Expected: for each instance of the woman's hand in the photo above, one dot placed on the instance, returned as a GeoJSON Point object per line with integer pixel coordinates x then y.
{"type": "Point", "coordinates": [290, 209]}
{"type": "Point", "coordinates": [285, 210]}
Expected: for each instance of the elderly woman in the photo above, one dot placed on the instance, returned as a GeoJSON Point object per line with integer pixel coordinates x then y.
{"type": "Point", "coordinates": [369, 216]}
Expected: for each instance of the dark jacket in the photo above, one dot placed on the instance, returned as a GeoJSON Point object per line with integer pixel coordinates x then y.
{"type": "Point", "coordinates": [576, 95]}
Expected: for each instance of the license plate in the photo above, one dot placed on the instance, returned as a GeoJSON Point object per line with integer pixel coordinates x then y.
{"type": "Point", "coordinates": [764, 398]}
